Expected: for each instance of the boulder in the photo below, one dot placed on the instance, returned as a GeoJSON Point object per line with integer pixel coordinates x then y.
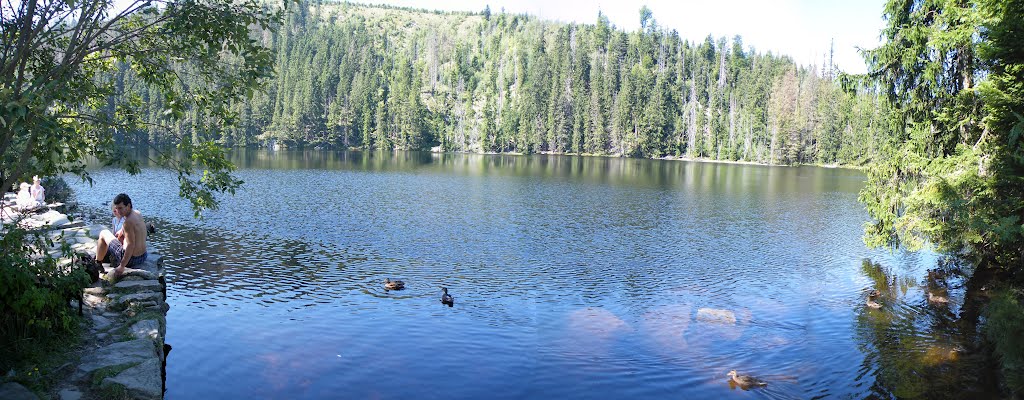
{"type": "Point", "coordinates": [716, 316]}
{"type": "Point", "coordinates": [142, 381]}
{"type": "Point", "coordinates": [120, 353]}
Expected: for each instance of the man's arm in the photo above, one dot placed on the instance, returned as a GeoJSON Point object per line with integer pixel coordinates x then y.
{"type": "Point", "coordinates": [128, 231]}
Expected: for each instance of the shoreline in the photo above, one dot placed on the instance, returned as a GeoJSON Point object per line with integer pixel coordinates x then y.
{"type": "Point", "coordinates": [436, 150]}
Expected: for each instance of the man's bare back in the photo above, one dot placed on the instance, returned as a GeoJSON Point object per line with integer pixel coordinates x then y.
{"type": "Point", "coordinates": [134, 234]}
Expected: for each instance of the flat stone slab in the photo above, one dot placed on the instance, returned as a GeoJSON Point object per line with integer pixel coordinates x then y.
{"type": "Point", "coordinates": [149, 285]}
{"type": "Point", "coordinates": [119, 353]}
{"type": "Point", "coordinates": [14, 391]}
{"type": "Point", "coordinates": [136, 297]}
{"type": "Point", "coordinates": [142, 381]}
{"type": "Point", "coordinates": [94, 230]}
{"type": "Point", "coordinates": [100, 323]}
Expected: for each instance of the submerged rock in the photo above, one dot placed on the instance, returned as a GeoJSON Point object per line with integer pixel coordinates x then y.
{"type": "Point", "coordinates": [716, 315]}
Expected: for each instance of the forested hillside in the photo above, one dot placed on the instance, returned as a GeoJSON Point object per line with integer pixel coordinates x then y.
{"type": "Point", "coordinates": [375, 77]}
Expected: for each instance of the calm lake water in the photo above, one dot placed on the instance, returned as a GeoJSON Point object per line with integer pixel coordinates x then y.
{"type": "Point", "coordinates": [573, 277]}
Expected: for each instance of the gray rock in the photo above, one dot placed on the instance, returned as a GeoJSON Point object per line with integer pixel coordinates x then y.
{"type": "Point", "coordinates": [69, 394]}
{"type": "Point", "coordinates": [99, 323]}
{"type": "Point", "coordinates": [14, 391]}
{"type": "Point", "coordinates": [95, 290]}
{"type": "Point", "coordinates": [147, 329]}
{"type": "Point", "coordinates": [142, 381]}
{"type": "Point", "coordinates": [95, 302]}
{"type": "Point", "coordinates": [119, 353]}
{"type": "Point", "coordinates": [143, 299]}
{"type": "Point", "coordinates": [141, 274]}
{"type": "Point", "coordinates": [94, 230]}
{"type": "Point", "coordinates": [154, 265]}
{"type": "Point", "coordinates": [151, 285]}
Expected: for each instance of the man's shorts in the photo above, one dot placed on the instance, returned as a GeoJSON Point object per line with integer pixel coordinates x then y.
{"type": "Point", "coordinates": [116, 252]}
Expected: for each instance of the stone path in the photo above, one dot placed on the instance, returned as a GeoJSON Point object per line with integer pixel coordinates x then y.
{"type": "Point", "coordinates": [124, 330]}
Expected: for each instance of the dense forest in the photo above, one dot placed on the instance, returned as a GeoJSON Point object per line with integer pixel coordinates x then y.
{"type": "Point", "coordinates": [387, 78]}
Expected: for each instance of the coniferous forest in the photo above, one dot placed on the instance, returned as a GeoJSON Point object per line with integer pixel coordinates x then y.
{"type": "Point", "coordinates": [376, 77]}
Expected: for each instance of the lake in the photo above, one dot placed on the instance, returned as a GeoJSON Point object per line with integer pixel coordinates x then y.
{"type": "Point", "coordinates": [573, 277]}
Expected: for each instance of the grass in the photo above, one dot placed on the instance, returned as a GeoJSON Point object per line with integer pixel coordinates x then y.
{"type": "Point", "coordinates": [40, 361]}
{"type": "Point", "coordinates": [114, 392]}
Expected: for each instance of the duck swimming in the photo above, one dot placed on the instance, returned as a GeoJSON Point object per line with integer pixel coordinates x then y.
{"type": "Point", "coordinates": [873, 304]}
{"type": "Point", "coordinates": [746, 381]}
{"type": "Point", "coordinates": [393, 284]}
{"type": "Point", "coordinates": [447, 298]}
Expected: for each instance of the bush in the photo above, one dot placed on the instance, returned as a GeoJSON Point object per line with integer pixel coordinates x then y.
{"type": "Point", "coordinates": [1005, 328]}
{"type": "Point", "coordinates": [57, 190]}
{"type": "Point", "coordinates": [34, 293]}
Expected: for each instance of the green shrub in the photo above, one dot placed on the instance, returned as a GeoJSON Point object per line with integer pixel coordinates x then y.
{"type": "Point", "coordinates": [57, 190]}
{"type": "Point", "coordinates": [1005, 328]}
{"type": "Point", "coordinates": [34, 294]}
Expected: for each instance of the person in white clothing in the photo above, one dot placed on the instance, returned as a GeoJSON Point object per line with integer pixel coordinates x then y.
{"type": "Point", "coordinates": [25, 200]}
{"type": "Point", "coordinates": [38, 193]}
{"type": "Point", "coordinates": [116, 223]}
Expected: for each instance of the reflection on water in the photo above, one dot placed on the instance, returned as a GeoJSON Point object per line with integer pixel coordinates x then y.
{"type": "Point", "coordinates": [916, 348]}
{"type": "Point", "coordinates": [575, 277]}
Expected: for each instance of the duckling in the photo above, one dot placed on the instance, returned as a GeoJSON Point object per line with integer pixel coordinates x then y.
{"type": "Point", "coordinates": [393, 284]}
{"type": "Point", "coordinates": [447, 298]}
{"type": "Point", "coordinates": [746, 381]}
{"type": "Point", "coordinates": [937, 299]}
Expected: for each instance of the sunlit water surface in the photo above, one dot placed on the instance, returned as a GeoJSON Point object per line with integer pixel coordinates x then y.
{"type": "Point", "coordinates": [574, 278]}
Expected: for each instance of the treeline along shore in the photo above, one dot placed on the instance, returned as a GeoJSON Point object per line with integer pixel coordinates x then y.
{"type": "Point", "coordinates": [376, 77]}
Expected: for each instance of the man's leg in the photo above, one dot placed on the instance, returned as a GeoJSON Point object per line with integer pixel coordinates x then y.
{"type": "Point", "coordinates": [101, 244]}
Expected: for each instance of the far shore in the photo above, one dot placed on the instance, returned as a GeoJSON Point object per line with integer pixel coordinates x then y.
{"type": "Point", "coordinates": [437, 150]}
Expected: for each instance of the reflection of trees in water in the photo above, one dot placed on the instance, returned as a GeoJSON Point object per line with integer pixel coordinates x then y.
{"type": "Point", "coordinates": [917, 349]}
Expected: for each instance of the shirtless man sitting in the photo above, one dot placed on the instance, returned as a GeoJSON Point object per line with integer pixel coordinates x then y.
{"type": "Point", "coordinates": [128, 247]}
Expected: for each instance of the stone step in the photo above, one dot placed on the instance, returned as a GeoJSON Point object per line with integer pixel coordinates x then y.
{"type": "Point", "coordinates": [148, 285]}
